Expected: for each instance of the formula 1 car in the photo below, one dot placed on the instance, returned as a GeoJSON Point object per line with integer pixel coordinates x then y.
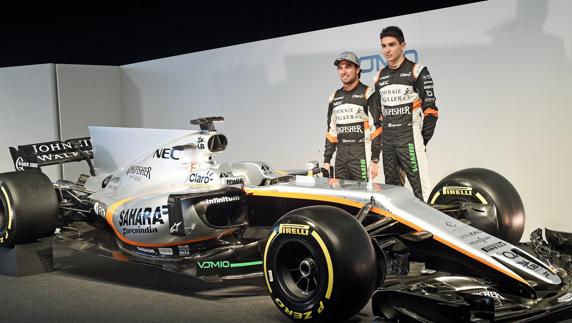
{"type": "Point", "coordinates": [325, 246]}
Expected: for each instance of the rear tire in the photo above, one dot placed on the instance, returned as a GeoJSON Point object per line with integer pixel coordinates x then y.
{"type": "Point", "coordinates": [28, 207]}
{"type": "Point", "coordinates": [483, 186]}
{"type": "Point", "coordinates": [320, 265]}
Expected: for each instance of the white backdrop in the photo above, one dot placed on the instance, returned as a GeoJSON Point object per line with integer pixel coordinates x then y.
{"type": "Point", "coordinates": [49, 102]}
{"type": "Point", "coordinates": [28, 110]}
{"type": "Point", "coordinates": [87, 95]}
{"type": "Point", "coordinates": [502, 76]}
{"type": "Point", "coordinates": [502, 70]}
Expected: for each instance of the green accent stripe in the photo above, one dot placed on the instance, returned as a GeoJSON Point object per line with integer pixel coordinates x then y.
{"type": "Point", "coordinates": [244, 264]}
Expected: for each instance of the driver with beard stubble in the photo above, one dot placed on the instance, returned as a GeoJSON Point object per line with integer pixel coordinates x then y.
{"type": "Point", "coordinates": [353, 124]}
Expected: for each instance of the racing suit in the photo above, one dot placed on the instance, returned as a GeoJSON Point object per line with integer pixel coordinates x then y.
{"type": "Point", "coordinates": [409, 116]}
{"type": "Point", "coordinates": [349, 131]}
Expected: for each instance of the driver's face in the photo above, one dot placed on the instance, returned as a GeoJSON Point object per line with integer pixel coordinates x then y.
{"type": "Point", "coordinates": [391, 48]}
{"type": "Point", "coordinates": [348, 72]}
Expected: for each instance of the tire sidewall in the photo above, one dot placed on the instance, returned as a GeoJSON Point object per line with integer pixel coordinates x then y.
{"type": "Point", "coordinates": [470, 194]}
{"type": "Point", "coordinates": [30, 207]}
{"type": "Point", "coordinates": [7, 214]}
{"type": "Point", "coordinates": [485, 187]}
{"type": "Point", "coordinates": [344, 253]}
{"type": "Point", "coordinates": [315, 307]}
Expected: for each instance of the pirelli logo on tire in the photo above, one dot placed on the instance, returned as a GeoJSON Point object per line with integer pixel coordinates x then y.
{"type": "Point", "coordinates": [454, 190]}
{"type": "Point", "coordinates": [298, 229]}
{"type": "Point", "coordinates": [457, 190]}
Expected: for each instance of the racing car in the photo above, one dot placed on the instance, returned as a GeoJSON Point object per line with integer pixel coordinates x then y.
{"type": "Point", "coordinates": [325, 246]}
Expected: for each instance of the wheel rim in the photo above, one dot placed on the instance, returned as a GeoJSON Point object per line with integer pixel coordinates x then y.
{"type": "Point", "coordinates": [298, 270]}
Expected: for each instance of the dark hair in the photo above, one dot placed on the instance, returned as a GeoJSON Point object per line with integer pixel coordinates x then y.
{"type": "Point", "coordinates": [359, 73]}
{"type": "Point", "coordinates": [392, 31]}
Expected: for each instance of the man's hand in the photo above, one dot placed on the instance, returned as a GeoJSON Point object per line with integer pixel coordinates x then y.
{"type": "Point", "coordinates": [327, 168]}
{"type": "Point", "coordinates": [373, 170]}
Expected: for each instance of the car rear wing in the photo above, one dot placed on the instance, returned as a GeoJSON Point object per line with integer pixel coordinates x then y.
{"type": "Point", "coordinates": [34, 156]}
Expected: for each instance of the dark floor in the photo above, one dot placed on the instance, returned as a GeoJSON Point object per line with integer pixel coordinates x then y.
{"type": "Point", "coordinates": [90, 288]}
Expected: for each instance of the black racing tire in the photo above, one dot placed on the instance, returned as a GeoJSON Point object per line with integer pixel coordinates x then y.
{"type": "Point", "coordinates": [484, 186]}
{"type": "Point", "coordinates": [320, 265]}
{"type": "Point", "coordinates": [28, 207]}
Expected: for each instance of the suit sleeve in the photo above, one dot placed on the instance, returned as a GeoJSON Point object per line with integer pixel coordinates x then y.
{"type": "Point", "coordinates": [424, 86]}
{"type": "Point", "coordinates": [331, 134]}
{"type": "Point", "coordinates": [374, 111]}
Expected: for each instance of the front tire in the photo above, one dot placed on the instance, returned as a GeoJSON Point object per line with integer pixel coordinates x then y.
{"type": "Point", "coordinates": [28, 207]}
{"type": "Point", "coordinates": [483, 186]}
{"type": "Point", "coordinates": [320, 265]}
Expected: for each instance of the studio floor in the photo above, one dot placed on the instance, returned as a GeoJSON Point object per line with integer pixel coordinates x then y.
{"type": "Point", "coordinates": [90, 288]}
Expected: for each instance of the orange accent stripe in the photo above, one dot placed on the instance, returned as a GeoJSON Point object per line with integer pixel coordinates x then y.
{"type": "Point", "coordinates": [344, 201]}
{"type": "Point", "coordinates": [376, 133]}
{"type": "Point", "coordinates": [333, 199]}
{"type": "Point", "coordinates": [117, 255]}
{"type": "Point", "coordinates": [416, 104]}
{"type": "Point", "coordinates": [331, 138]}
{"type": "Point", "coordinates": [431, 111]}
{"type": "Point", "coordinates": [114, 206]}
{"type": "Point", "coordinates": [366, 124]}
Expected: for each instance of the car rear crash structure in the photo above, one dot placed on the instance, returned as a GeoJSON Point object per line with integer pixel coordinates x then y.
{"type": "Point", "coordinates": [325, 246]}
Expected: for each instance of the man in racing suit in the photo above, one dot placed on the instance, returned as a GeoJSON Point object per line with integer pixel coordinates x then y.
{"type": "Point", "coordinates": [409, 114]}
{"type": "Point", "coordinates": [351, 122]}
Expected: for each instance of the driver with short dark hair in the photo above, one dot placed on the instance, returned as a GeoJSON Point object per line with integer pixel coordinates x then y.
{"type": "Point", "coordinates": [409, 114]}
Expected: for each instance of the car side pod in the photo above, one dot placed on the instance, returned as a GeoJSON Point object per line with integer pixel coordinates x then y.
{"type": "Point", "coordinates": [207, 207]}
